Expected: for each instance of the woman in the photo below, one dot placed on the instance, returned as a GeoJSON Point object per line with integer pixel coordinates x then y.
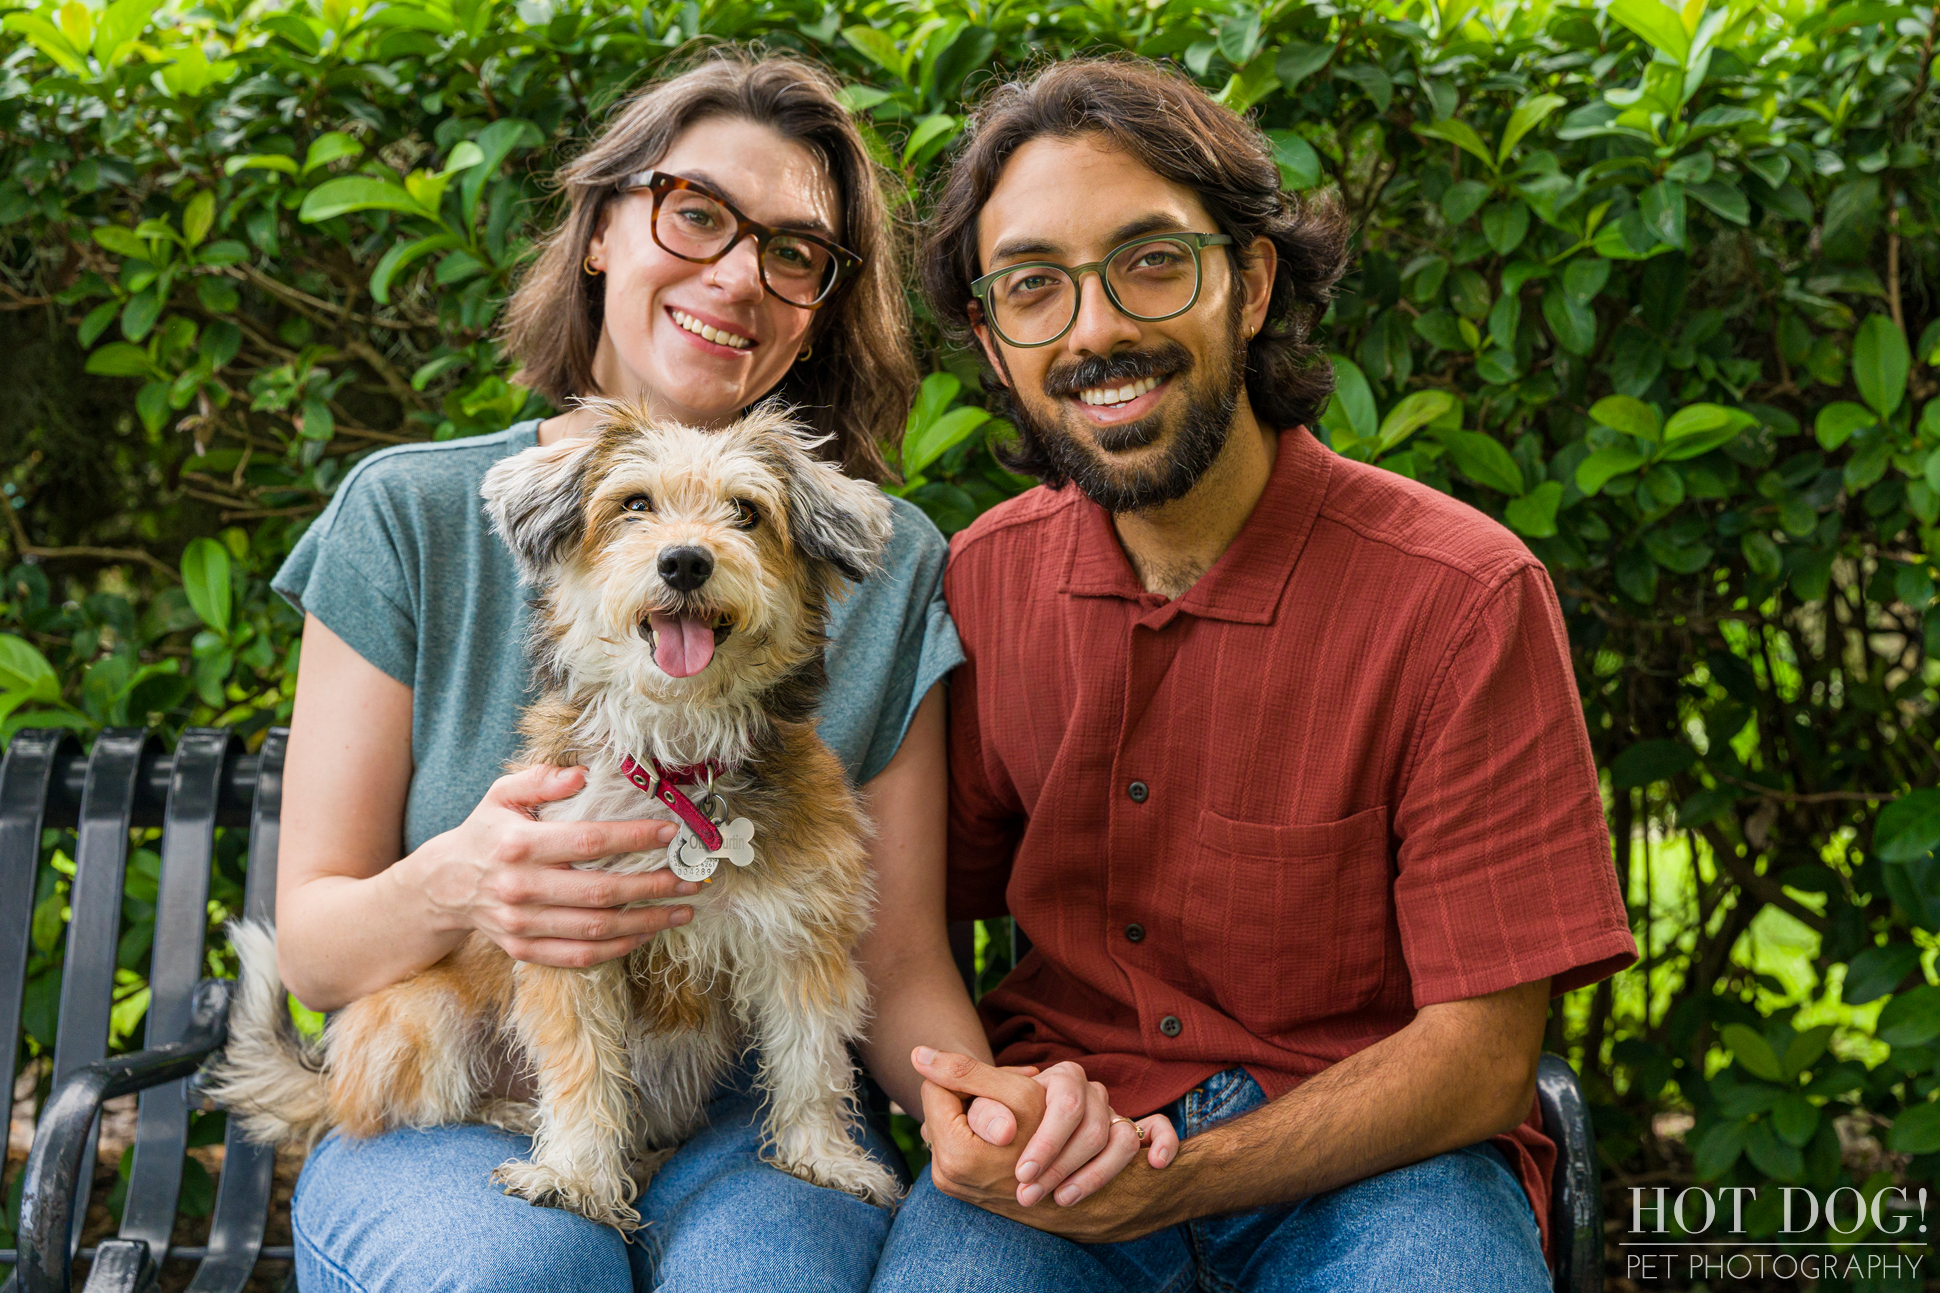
{"type": "Point", "coordinates": [725, 239]}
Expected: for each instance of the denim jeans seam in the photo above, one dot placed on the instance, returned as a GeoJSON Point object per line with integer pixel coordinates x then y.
{"type": "Point", "coordinates": [323, 1258]}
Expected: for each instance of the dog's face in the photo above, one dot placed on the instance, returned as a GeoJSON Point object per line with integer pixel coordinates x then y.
{"type": "Point", "coordinates": [678, 562]}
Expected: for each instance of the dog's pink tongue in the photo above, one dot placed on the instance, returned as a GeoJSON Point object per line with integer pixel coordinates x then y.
{"type": "Point", "coordinates": [681, 647]}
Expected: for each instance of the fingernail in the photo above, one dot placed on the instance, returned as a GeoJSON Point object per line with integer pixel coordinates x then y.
{"type": "Point", "coordinates": [686, 887]}
{"type": "Point", "coordinates": [1030, 1194]}
{"type": "Point", "coordinates": [1165, 1156]}
{"type": "Point", "coordinates": [1068, 1196]}
{"type": "Point", "coordinates": [925, 1054]}
{"type": "Point", "coordinates": [1026, 1170]}
{"type": "Point", "coordinates": [680, 916]}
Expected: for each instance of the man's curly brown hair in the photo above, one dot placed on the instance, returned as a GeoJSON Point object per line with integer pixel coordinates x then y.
{"type": "Point", "coordinates": [1179, 131]}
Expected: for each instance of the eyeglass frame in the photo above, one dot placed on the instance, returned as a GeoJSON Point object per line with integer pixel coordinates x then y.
{"type": "Point", "coordinates": [980, 287]}
{"type": "Point", "coordinates": [659, 183]}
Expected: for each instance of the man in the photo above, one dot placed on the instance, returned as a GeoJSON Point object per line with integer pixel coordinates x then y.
{"type": "Point", "coordinates": [1275, 757]}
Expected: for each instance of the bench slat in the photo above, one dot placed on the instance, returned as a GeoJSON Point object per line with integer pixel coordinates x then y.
{"type": "Point", "coordinates": [248, 1169]}
{"type": "Point", "coordinates": [94, 929]}
{"type": "Point", "coordinates": [25, 778]}
{"type": "Point", "coordinates": [182, 914]}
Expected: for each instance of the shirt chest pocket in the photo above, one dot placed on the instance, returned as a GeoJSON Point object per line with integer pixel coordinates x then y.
{"type": "Point", "coordinates": [1290, 924]}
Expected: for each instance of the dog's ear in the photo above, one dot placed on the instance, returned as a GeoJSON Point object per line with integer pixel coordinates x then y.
{"type": "Point", "coordinates": [534, 501]}
{"type": "Point", "coordinates": [835, 519]}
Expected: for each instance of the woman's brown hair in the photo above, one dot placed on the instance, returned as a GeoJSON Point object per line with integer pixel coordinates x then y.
{"type": "Point", "coordinates": [857, 384]}
{"type": "Point", "coordinates": [1179, 132]}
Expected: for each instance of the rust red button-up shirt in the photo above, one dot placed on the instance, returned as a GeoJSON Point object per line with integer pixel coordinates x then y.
{"type": "Point", "coordinates": [1344, 777]}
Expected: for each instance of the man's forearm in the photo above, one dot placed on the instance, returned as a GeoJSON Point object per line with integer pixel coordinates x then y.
{"type": "Point", "coordinates": [1459, 1073]}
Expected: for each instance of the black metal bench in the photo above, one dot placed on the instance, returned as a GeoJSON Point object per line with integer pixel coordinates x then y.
{"type": "Point", "coordinates": [127, 781]}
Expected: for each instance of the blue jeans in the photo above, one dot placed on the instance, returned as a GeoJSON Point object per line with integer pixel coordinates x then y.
{"type": "Point", "coordinates": [416, 1212]}
{"type": "Point", "coordinates": [1455, 1223]}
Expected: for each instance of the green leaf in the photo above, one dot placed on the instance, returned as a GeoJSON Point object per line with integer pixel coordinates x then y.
{"type": "Point", "coordinates": [878, 48]}
{"type": "Point", "coordinates": [1597, 470]}
{"type": "Point", "coordinates": [1877, 971]}
{"type": "Point", "coordinates": [1413, 412]}
{"type": "Point", "coordinates": [139, 315]}
{"type": "Point", "coordinates": [358, 193]}
{"type": "Point", "coordinates": [400, 256]}
{"type": "Point", "coordinates": [920, 450]}
{"type": "Point", "coordinates": [1483, 460]}
{"type": "Point", "coordinates": [260, 162]}
{"type": "Point", "coordinates": [1299, 164]}
{"type": "Point", "coordinates": [1505, 225]}
{"type": "Point", "coordinates": [1753, 1052]}
{"type": "Point", "coordinates": [1838, 421]}
{"type": "Point", "coordinates": [1299, 60]}
{"type": "Point", "coordinates": [1766, 1151]}
{"type": "Point", "coordinates": [927, 130]}
{"type": "Point", "coordinates": [1880, 363]}
{"type": "Point", "coordinates": [1761, 554]}
{"type": "Point", "coordinates": [1909, 827]}
{"type": "Point", "coordinates": [1527, 116]}
{"type": "Point", "coordinates": [1572, 322]}
{"type": "Point", "coordinates": [122, 241]}
{"type": "Point", "coordinates": [24, 672]}
{"type": "Point", "coordinates": [1911, 1018]}
{"type": "Point", "coordinates": [1803, 1052]}
{"type": "Point", "coordinates": [1717, 1148]}
{"type": "Point", "coordinates": [197, 217]}
{"type": "Point", "coordinates": [329, 147]}
{"type": "Point", "coordinates": [1723, 198]}
{"type": "Point", "coordinates": [205, 578]}
{"type": "Point", "coordinates": [120, 359]}
{"type": "Point", "coordinates": [1584, 277]}
{"type": "Point", "coordinates": [1703, 419]}
{"type": "Point", "coordinates": [495, 143]}
{"type": "Point", "coordinates": [1631, 416]}
{"type": "Point", "coordinates": [1648, 762]}
{"type": "Point", "coordinates": [1239, 36]}
{"type": "Point", "coordinates": [1534, 514]}
{"type": "Point", "coordinates": [1354, 401]}
{"type": "Point", "coordinates": [1460, 134]}
{"type": "Point", "coordinates": [1658, 25]}
{"type": "Point", "coordinates": [1916, 1130]}
{"type": "Point", "coordinates": [1795, 1119]}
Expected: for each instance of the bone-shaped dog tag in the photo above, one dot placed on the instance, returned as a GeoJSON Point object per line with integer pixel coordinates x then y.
{"type": "Point", "coordinates": [691, 860]}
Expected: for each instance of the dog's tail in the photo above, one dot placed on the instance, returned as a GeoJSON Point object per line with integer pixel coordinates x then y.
{"type": "Point", "coordinates": [268, 1078]}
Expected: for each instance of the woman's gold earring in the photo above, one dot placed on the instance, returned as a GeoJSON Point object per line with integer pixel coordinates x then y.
{"type": "Point", "coordinates": [805, 352]}
{"type": "Point", "coordinates": [592, 270]}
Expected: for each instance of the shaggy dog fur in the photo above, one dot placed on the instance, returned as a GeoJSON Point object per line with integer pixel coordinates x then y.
{"type": "Point", "coordinates": [624, 1054]}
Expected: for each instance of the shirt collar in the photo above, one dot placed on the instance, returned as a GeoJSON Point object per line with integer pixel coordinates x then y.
{"type": "Point", "coordinates": [1245, 585]}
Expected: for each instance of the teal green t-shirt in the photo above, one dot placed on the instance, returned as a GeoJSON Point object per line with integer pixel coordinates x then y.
{"type": "Point", "coordinates": [404, 567]}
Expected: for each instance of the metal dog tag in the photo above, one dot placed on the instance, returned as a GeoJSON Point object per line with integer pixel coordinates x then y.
{"type": "Point", "coordinates": [691, 859]}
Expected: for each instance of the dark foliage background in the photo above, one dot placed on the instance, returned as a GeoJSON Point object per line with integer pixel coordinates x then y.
{"type": "Point", "coordinates": [1655, 286]}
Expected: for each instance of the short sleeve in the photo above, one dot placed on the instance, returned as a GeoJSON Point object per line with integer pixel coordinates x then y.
{"type": "Point", "coordinates": [1504, 863]}
{"type": "Point", "coordinates": [890, 641]}
{"type": "Point", "coordinates": [352, 569]}
{"type": "Point", "coordinates": [986, 819]}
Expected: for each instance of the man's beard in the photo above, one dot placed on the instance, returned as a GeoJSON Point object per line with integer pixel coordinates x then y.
{"type": "Point", "coordinates": [1204, 424]}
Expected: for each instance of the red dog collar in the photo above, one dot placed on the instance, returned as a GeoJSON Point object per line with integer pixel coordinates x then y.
{"type": "Point", "coordinates": [663, 784]}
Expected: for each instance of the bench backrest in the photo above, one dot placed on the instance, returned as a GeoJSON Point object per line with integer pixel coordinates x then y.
{"type": "Point", "coordinates": [127, 781]}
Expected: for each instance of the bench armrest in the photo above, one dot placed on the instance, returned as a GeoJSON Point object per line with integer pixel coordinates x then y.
{"type": "Point", "coordinates": [55, 1164]}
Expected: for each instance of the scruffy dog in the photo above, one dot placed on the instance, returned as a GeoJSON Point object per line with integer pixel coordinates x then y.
{"type": "Point", "coordinates": [678, 641]}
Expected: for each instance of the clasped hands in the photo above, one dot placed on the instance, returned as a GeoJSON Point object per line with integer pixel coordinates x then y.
{"type": "Point", "coordinates": [1074, 1149]}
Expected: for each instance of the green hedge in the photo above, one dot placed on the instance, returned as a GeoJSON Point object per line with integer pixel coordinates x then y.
{"type": "Point", "coordinates": [1655, 287]}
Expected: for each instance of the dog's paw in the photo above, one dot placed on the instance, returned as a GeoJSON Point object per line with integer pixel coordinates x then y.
{"type": "Point", "coordinates": [543, 1187]}
{"type": "Point", "coordinates": [854, 1172]}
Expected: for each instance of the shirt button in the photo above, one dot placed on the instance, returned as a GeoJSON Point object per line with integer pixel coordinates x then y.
{"type": "Point", "coordinates": [1135, 933]}
{"type": "Point", "coordinates": [1139, 792]}
{"type": "Point", "coordinates": [1171, 1026]}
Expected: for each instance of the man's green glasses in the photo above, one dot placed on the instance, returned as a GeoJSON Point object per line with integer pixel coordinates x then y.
{"type": "Point", "coordinates": [1149, 278]}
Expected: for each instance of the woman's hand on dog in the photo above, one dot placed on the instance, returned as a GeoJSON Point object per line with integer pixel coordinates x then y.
{"type": "Point", "coordinates": [510, 876]}
{"type": "Point", "coordinates": [1074, 1146]}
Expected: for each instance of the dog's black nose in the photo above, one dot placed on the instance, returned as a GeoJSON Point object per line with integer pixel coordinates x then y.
{"type": "Point", "coordinates": [686, 568]}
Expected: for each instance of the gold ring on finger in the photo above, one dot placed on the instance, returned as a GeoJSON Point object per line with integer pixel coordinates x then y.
{"type": "Point", "coordinates": [1137, 1130]}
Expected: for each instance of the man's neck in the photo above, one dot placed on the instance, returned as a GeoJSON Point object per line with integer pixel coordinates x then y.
{"type": "Point", "coordinates": [1173, 544]}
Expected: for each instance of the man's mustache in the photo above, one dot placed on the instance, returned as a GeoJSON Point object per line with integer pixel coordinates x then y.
{"type": "Point", "coordinates": [1116, 370]}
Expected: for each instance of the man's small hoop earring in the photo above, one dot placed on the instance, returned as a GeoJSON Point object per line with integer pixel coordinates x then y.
{"type": "Point", "coordinates": [592, 271]}
{"type": "Point", "coordinates": [805, 352]}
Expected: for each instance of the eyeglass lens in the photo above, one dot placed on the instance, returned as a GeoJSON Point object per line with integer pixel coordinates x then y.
{"type": "Point", "coordinates": [1150, 280]}
{"type": "Point", "coordinates": [694, 225]}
